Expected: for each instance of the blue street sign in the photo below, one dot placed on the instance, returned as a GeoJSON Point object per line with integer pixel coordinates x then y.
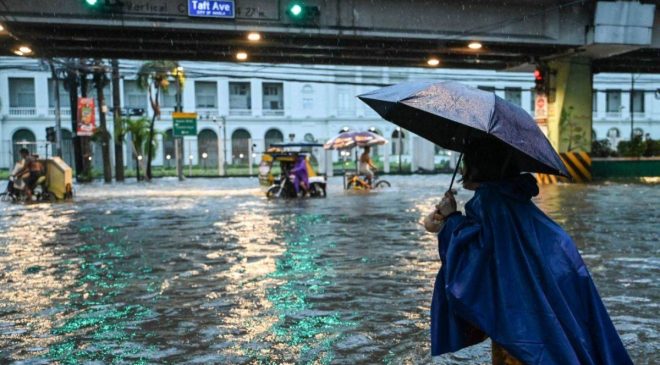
{"type": "Point", "coordinates": [212, 8]}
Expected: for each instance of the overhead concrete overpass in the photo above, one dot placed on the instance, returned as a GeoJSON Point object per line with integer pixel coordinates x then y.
{"type": "Point", "coordinates": [571, 39]}
{"type": "Point", "coordinates": [514, 33]}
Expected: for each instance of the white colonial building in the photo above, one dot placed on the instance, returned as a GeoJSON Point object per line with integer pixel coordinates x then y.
{"type": "Point", "coordinates": [244, 105]}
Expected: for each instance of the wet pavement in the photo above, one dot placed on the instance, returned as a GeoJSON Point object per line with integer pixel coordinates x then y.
{"type": "Point", "coordinates": [210, 272]}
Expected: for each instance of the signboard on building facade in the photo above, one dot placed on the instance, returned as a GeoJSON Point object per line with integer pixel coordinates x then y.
{"type": "Point", "coordinates": [184, 124]}
{"type": "Point", "coordinates": [212, 8]}
{"type": "Point", "coordinates": [86, 117]}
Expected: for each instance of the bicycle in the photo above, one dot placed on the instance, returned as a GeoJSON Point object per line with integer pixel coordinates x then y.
{"type": "Point", "coordinates": [357, 182]}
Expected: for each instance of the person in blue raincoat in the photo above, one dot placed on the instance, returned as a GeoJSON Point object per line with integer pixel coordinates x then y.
{"type": "Point", "coordinates": [511, 273]}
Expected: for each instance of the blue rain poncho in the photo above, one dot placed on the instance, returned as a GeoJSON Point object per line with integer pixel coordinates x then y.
{"type": "Point", "coordinates": [511, 273]}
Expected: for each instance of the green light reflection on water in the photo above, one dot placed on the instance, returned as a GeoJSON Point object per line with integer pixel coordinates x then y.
{"type": "Point", "coordinates": [312, 333]}
{"type": "Point", "coordinates": [101, 326]}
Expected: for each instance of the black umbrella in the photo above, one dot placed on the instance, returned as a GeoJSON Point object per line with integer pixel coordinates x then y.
{"type": "Point", "coordinates": [452, 115]}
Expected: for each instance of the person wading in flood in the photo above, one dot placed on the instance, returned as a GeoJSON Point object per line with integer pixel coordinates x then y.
{"type": "Point", "coordinates": [511, 273]}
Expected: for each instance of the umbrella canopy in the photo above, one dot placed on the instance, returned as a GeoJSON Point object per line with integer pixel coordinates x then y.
{"type": "Point", "coordinates": [452, 115]}
{"type": "Point", "coordinates": [351, 139]}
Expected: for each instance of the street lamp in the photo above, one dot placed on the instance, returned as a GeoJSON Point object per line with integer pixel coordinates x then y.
{"type": "Point", "coordinates": [204, 156]}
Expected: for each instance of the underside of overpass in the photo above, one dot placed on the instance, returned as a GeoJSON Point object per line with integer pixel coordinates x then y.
{"type": "Point", "coordinates": [515, 34]}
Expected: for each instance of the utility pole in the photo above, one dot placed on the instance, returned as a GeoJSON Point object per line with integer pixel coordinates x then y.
{"type": "Point", "coordinates": [100, 81]}
{"type": "Point", "coordinates": [58, 115]}
{"type": "Point", "coordinates": [72, 87]}
{"type": "Point", "coordinates": [85, 146]}
{"type": "Point", "coordinates": [118, 128]}
{"type": "Point", "coordinates": [178, 141]}
{"type": "Point", "coordinates": [632, 113]}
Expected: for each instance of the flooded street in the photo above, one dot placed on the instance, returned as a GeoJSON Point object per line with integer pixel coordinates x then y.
{"type": "Point", "coordinates": [210, 272]}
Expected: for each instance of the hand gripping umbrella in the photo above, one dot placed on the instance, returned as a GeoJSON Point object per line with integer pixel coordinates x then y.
{"type": "Point", "coordinates": [453, 115]}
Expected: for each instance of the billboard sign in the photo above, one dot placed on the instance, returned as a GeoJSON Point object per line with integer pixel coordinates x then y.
{"type": "Point", "coordinates": [86, 117]}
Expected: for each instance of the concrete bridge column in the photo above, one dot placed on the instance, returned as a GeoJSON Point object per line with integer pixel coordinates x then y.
{"type": "Point", "coordinates": [570, 113]}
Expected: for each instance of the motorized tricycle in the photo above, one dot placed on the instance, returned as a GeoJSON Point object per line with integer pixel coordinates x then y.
{"type": "Point", "coordinates": [297, 177]}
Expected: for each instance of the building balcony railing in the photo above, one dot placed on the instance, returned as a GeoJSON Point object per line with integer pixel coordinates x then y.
{"type": "Point", "coordinates": [240, 112]}
{"type": "Point", "coordinates": [64, 111]}
{"type": "Point", "coordinates": [273, 112]}
{"type": "Point", "coordinates": [613, 115]}
{"type": "Point", "coordinates": [207, 113]}
{"type": "Point", "coordinates": [22, 112]}
{"type": "Point", "coordinates": [639, 115]}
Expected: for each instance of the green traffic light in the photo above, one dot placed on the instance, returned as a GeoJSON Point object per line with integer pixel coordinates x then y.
{"type": "Point", "coordinates": [296, 10]}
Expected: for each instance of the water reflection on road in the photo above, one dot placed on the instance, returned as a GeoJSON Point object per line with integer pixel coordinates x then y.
{"type": "Point", "coordinates": [209, 271]}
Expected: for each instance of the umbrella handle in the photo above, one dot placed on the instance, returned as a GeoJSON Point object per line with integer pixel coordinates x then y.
{"type": "Point", "coordinates": [453, 177]}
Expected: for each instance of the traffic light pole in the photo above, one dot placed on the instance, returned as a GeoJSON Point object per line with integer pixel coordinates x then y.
{"type": "Point", "coordinates": [178, 141]}
{"type": "Point", "coordinates": [58, 115]}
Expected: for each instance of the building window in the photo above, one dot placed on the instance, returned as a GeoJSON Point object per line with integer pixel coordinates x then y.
{"type": "Point", "coordinates": [273, 96]}
{"type": "Point", "coordinates": [513, 95]}
{"type": "Point", "coordinates": [398, 145]}
{"type": "Point", "coordinates": [273, 136]}
{"type": "Point", "coordinates": [206, 94]}
{"type": "Point", "coordinates": [21, 93]}
{"type": "Point", "coordinates": [239, 96]}
{"type": "Point", "coordinates": [594, 101]}
{"type": "Point", "coordinates": [240, 147]}
{"type": "Point", "coordinates": [134, 98]}
{"type": "Point", "coordinates": [613, 133]}
{"type": "Point", "coordinates": [638, 101]}
{"type": "Point", "coordinates": [613, 101]}
{"type": "Point", "coordinates": [64, 95]}
{"type": "Point", "coordinates": [345, 99]}
{"type": "Point", "coordinates": [168, 98]}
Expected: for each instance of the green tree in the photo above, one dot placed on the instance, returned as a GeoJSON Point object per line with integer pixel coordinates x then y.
{"type": "Point", "coordinates": [140, 138]}
{"type": "Point", "coordinates": [154, 76]}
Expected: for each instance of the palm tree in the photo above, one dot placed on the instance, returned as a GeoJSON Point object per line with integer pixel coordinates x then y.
{"type": "Point", "coordinates": [154, 76]}
{"type": "Point", "coordinates": [138, 131]}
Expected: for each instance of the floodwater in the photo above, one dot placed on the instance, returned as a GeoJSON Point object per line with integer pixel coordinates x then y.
{"type": "Point", "coordinates": [210, 272]}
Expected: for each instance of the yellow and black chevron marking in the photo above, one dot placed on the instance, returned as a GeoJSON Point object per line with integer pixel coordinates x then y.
{"type": "Point", "coordinates": [578, 165]}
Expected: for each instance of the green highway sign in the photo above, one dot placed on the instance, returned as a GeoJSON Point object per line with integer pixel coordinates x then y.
{"type": "Point", "coordinates": [185, 124]}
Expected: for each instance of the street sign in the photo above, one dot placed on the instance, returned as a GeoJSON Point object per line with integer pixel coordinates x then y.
{"type": "Point", "coordinates": [212, 8]}
{"type": "Point", "coordinates": [541, 107]}
{"type": "Point", "coordinates": [184, 124]}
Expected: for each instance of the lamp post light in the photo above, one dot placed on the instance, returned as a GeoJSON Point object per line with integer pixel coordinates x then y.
{"type": "Point", "coordinates": [168, 158]}
{"type": "Point", "coordinates": [204, 156]}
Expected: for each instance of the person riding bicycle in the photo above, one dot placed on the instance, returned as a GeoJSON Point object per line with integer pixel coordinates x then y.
{"type": "Point", "coordinates": [367, 166]}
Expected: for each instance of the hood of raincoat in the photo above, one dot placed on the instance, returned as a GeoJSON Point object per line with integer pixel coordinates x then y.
{"type": "Point", "coordinates": [510, 273]}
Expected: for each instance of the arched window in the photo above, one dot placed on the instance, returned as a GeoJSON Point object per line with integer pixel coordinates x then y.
{"type": "Point", "coordinates": [613, 133]}
{"type": "Point", "coordinates": [168, 149]}
{"type": "Point", "coordinates": [273, 136]}
{"type": "Point", "coordinates": [398, 145]}
{"type": "Point", "coordinates": [240, 146]}
{"type": "Point", "coordinates": [207, 148]}
{"type": "Point", "coordinates": [309, 138]}
{"type": "Point", "coordinates": [23, 138]}
{"type": "Point", "coordinates": [638, 132]}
